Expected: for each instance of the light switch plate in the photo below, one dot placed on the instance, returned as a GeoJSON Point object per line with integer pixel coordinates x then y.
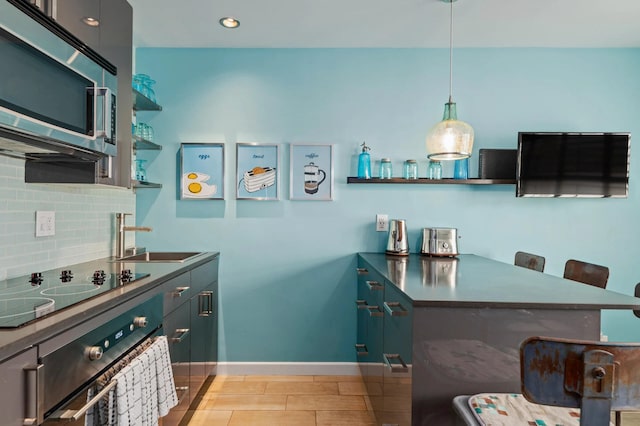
{"type": "Point", "coordinates": [45, 223]}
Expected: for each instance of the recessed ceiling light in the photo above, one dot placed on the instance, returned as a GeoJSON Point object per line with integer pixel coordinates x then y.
{"type": "Point", "coordinates": [92, 22]}
{"type": "Point", "coordinates": [229, 22]}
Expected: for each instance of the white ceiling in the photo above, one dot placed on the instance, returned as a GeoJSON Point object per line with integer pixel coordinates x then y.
{"type": "Point", "coordinates": [387, 23]}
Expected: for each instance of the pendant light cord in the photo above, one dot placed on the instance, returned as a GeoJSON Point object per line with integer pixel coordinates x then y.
{"type": "Point", "coordinates": [451, 51]}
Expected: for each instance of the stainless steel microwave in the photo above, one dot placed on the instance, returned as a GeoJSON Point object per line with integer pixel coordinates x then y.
{"type": "Point", "coordinates": [56, 95]}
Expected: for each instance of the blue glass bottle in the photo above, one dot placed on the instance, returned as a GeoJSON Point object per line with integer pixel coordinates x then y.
{"type": "Point", "coordinates": [364, 163]}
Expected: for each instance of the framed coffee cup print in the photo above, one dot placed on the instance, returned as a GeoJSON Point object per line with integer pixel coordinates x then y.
{"type": "Point", "coordinates": [257, 168]}
{"type": "Point", "coordinates": [311, 169]}
{"type": "Point", "coordinates": [202, 171]}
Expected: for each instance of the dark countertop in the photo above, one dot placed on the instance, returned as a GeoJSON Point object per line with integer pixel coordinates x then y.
{"type": "Point", "coordinates": [475, 281]}
{"type": "Point", "coordinates": [13, 341]}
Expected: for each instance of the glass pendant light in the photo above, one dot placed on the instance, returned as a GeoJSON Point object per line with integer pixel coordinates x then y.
{"type": "Point", "coordinates": [450, 139]}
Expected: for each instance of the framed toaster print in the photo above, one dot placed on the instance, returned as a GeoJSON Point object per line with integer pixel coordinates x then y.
{"type": "Point", "coordinates": [202, 171]}
{"type": "Point", "coordinates": [257, 176]}
{"type": "Point", "coordinates": [311, 172]}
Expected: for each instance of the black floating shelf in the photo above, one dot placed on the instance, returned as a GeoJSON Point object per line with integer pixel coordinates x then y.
{"type": "Point", "coordinates": [141, 144]}
{"type": "Point", "coordinates": [425, 181]}
{"type": "Point", "coordinates": [145, 184]}
{"type": "Point", "coordinates": [142, 103]}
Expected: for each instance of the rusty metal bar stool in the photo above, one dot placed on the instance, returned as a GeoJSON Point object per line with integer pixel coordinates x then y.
{"type": "Point", "coordinates": [529, 261]}
{"type": "Point", "coordinates": [587, 273]}
{"type": "Point", "coordinates": [558, 377]}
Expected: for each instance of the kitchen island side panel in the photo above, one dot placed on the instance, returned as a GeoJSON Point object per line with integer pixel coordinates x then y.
{"type": "Point", "coordinates": [462, 351]}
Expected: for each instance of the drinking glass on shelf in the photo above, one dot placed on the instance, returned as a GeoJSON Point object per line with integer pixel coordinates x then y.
{"type": "Point", "coordinates": [140, 130]}
{"type": "Point", "coordinates": [461, 169]}
{"type": "Point", "coordinates": [137, 83]}
{"type": "Point", "coordinates": [146, 85]}
{"type": "Point", "coordinates": [148, 133]}
{"type": "Point", "coordinates": [141, 173]}
{"type": "Point", "coordinates": [151, 94]}
{"type": "Point", "coordinates": [144, 131]}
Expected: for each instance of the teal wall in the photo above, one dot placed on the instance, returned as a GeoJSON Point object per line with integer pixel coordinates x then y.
{"type": "Point", "coordinates": [287, 267]}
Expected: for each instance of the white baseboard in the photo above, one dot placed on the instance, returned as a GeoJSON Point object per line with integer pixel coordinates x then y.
{"type": "Point", "coordinates": [288, 368]}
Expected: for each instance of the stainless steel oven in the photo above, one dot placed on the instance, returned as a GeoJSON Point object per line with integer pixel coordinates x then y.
{"type": "Point", "coordinates": [71, 362]}
{"type": "Point", "coordinates": [56, 95]}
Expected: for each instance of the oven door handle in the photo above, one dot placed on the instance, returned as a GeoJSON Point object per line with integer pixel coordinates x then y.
{"type": "Point", "coordinates": [74, 415]}
{"type": "Point", "coordinates": [35, 395]}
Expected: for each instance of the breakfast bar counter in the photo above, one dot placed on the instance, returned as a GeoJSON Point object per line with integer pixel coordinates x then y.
{"type": "Point", "coordinates": [475, 281]}
{"type": "Point", "coordinates": [432, 328]}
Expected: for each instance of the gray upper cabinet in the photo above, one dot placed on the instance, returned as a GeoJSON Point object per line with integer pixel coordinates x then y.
{"type": "Point", "coordinates": [70, 14]}
{"type": "Point", "coordinates": [112, 39]}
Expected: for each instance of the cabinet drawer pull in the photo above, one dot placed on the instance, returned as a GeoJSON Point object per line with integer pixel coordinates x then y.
{"type": "Point", "coordinates": [34, 409]}
{"type": "Point", "coordinates": [395, 309]}
{"type": "Point", "coordinates": [374, 285]}
{"type": "Point", "coordinates": [362, 271]}
{"type": "Point", "coordinates": [362, 304]}
{"type": "Point", "coordinates": [361, 349]}
{"type": "Point", "coordinates": [179, 290]}
{"type": "Point", "coordinates": [181, 333]}
{"type": "Point", "coordinates": [205, 304]}
{"type": "Point", "coordinates": [395, 368]}
{"type": "Point", "coordinates": [375, 311]}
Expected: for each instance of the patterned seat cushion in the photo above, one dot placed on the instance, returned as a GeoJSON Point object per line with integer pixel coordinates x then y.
{"type": "Point", "coordinates": [512, 409]}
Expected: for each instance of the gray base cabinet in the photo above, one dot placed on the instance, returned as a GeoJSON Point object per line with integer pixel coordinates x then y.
{"type": "Point", "coordinates": [383, 347]}
{"type": "Point", "coordinates": [191, 326]}
{"type": "Point", "coordinates": [204, 325]}
{"type": "Point", "coordinates": [13, 387]}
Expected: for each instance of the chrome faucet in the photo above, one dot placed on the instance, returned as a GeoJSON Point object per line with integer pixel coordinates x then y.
{"type": "Point", "coordinates": [121, 229]}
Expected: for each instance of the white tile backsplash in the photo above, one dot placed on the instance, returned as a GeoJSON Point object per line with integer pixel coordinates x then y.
{"type": "Point", "coordinates": [85, 221]}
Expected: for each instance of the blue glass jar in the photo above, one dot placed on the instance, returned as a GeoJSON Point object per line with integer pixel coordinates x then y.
{"type": "Point", "coordinates": [386, 170]}
{"type": "Point", "coordinates": [410, 169]}
{"type": "Point", "coordinates": [435, 169]}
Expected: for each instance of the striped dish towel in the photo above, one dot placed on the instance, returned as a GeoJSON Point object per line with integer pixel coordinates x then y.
{"type": "Point", "coordinates": [145, 391]}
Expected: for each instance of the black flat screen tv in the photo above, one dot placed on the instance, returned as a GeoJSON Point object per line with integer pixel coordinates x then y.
{"type": "Point", "coordinates": [559, 164]}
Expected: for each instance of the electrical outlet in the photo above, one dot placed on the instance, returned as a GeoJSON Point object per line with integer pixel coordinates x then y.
{"type": "Point", "coordinates": [382, 222]}
{"type": "Point", "coordinates": [45, 223]}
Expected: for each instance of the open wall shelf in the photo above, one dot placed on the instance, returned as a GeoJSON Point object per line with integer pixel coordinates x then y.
{"type": "Point", "coordinates": [145, 184]}
{"type": "Point", "coordinates": [434, 181]}
{"type": "Point", "coordinates": [142, 103]}
{"type": "Point", "coordinates": [140, 143]}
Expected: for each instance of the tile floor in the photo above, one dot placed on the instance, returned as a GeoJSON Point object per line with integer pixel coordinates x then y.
{"type": "Point", "coordinates": [291, 400]}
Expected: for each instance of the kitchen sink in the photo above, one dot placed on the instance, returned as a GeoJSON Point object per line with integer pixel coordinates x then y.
{"type": "Point", "coordinates": [159, 256]}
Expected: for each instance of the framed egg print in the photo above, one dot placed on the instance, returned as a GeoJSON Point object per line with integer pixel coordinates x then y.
{"type": "Point", "coordinates": [311, 170]}
{"type": "Point", "coordinates": [202, 171]}
{"type": "Point", "coordinates": [257, 171]}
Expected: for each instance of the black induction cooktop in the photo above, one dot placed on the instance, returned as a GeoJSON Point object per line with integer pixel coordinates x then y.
{"type": "Point", "coordinates": [28, 298]}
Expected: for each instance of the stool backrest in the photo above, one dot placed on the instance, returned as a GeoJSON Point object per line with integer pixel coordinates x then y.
{"type": "Point", "coordinates": [597, 377]}
{"type": "Point", "coordinates": [530, 261]}
{"type": "Point", "coordinates": [587, 273]}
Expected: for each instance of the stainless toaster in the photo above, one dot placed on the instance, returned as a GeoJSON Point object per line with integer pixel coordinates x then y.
{"type": "Point", "coordinates": [439, 242]}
